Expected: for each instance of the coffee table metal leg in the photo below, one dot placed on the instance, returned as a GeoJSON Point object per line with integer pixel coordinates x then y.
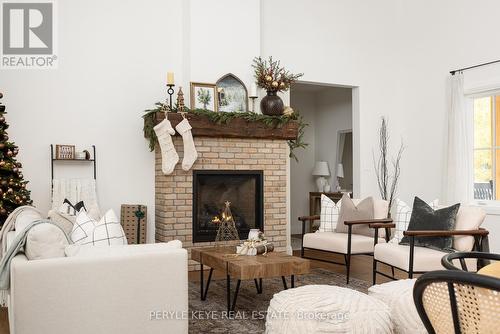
{"type": "Point", "coordinates": [258, 285]}
{"type": "Point", "coordinates": [284, 282]}
{"type": "Point", "coordinates": [201, 281]}
{"type": "Point", "coordinates": [293, 281]}
{"type": "Point", "coordinates": [204, 292]}
{"type": "Point", "coordinates": [235, 295]}
{"type": "Point", "coordinates": [228, 292]}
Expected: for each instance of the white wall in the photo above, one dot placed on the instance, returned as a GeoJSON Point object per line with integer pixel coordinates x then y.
{"type": "Point", "coordinates": [300, 171]}
{"type": "Point", "coordinates": [334, 115]}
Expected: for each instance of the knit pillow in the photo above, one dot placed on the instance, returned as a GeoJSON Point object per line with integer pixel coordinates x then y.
{"type": "Point", "coordinates": [401, 217]}
{"type": "Point", "coordinates": [329, 214]}
{"type": "Point", "coordinates": [107, 231]}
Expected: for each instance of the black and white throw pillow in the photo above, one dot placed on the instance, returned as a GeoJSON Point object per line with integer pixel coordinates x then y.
{"type": "Point", "coordinates": [107, 231]}
{"type": "Point", "coordinates": [329, 215]}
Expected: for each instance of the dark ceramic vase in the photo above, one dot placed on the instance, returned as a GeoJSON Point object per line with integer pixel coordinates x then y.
{"type": "Point", "coordinates": [272, 104]}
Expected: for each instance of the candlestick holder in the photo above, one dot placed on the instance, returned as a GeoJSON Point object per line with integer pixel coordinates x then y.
{"type": "Point", "coordinates": [170, 92]}
{"type": "Point", "coordinates": [253, 98]}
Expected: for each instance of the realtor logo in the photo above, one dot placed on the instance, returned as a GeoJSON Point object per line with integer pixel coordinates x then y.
{"type": "Point", "coordinates": [28, 35]}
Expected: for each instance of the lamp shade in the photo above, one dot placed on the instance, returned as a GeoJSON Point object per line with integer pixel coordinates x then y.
{"type": "Point", "coordinates": [321, 169]}
{"type": "Point", "coordinates": [340, 170]}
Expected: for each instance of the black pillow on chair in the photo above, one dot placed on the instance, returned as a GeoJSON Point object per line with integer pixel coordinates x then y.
{"type": "Point", "coordinates": [423, 217]}
{"type": "Point", "coordinates": [75, 208]}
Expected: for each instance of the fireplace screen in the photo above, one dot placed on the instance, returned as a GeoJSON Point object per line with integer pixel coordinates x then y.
{"type": "Point", "coordinates": [212, 188]}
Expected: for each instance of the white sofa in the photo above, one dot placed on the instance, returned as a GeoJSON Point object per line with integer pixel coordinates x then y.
{"type": "Point", "coordinates": [122, 289]}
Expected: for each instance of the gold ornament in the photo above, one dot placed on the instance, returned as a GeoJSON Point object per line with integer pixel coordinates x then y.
{"type": "Point", "coordinates": [288, 111]}
{"type": "Point", "coordinates": [282, 84]}
{"type": "Point", "coordinates": [274, 84]}
{"type": "Point", "coordinates": [268, 78]}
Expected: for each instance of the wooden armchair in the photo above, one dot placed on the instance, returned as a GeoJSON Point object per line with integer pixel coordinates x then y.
{"type": "Point", "coordinates": [418, 260]}
{"type": "Point", "coordinates": [346, 244]}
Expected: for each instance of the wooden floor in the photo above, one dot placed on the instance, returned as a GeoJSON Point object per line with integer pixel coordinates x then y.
{"type": "Point", "coordinates": [361, 268]}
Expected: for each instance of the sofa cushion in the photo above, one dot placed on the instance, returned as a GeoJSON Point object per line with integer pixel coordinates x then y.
{"type": "Point", "coordinates": [337, 242]}
{"type": "Point", "coordinates": [424, 217]}
{"type": "Point", "coordinates": [45, 241]}
{"type": "Point", "coordinates": [82, 251]}
{"type": "Point", "coordinates": [468, 218]}
{"type": "Point", "coordinates": [398, 295]}
{"type": "Point", "coordinates": [107, 231]}
{"type": "Point", "coordinates": [27, 216]}
{"type": "Point", "coordinates": [329, 215]}
{"type": "Point", "coordinates": [350, 211]}
{"type": "Point", "coordinates": [63, 220]}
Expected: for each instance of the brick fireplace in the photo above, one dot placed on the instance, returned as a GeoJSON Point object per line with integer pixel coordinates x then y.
{"type": "Point", "coordinates": [174, 192]}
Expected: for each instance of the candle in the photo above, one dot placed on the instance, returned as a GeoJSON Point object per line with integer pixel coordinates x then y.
{"type": "Point", "coordinates": [170, 78]}
{"type": "Point", "coordinates": [253, 90]}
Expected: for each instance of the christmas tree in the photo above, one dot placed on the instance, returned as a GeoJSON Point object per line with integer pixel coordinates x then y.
{"type": "Point", "coordinates": [13, 192]}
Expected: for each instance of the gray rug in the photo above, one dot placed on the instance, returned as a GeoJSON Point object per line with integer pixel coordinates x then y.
{"type": "Point", "coordinates": [210, 316]}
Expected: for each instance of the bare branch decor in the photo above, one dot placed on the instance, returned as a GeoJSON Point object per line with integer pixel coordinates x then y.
{"type": "Point", "coordinates": [387, 181]}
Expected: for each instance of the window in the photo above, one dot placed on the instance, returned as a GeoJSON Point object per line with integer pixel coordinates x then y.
{"type": "Point", "coordinates": [487, 147]}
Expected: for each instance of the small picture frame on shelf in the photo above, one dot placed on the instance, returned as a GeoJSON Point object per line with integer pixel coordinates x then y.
{"type": "Point", "coordinates": [65, 152]}
{"type": "Point", "coordinates": [203, 96]}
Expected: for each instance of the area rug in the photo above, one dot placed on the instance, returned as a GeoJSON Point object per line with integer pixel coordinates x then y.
{"type": "Point", "coordinates": [210, 316]}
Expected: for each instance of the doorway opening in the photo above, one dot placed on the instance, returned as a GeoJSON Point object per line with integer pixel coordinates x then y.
{"type": "Point", "coordinates": [328, 109]}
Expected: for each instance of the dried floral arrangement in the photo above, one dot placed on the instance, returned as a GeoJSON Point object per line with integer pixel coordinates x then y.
{"type": "Point", "coordinates": [270, 76]}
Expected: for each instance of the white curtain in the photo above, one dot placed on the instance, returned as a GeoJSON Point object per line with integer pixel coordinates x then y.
{"type": "Point", "coordinates": [459, 180]}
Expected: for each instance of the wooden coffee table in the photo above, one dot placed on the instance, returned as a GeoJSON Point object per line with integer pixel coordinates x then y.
{"type": "Point", "coordinates": [244, 267]}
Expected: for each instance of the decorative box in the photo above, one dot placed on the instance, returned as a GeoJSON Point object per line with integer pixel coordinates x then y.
{"type": "Point", "coordinates": [133, 219]}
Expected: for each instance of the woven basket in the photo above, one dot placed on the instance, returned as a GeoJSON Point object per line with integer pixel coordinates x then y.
{"type": "Point", "coordinates": [134, 221]}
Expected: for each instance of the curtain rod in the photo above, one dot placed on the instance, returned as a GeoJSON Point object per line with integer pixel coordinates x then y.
{"type": "Point", "coordinates": [471, 67]}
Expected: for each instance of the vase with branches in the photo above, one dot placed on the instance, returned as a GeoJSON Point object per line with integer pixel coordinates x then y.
{"type": "Point", "coordinates": [387, 169]}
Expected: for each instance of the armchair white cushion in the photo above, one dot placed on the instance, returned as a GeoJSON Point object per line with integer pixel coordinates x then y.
{"type": "Point", "coordinates": [117, 292]}
{"type": "Point", "coordinates": [424, 259]}
{"type": "Point", "coordinates": [337, 242]}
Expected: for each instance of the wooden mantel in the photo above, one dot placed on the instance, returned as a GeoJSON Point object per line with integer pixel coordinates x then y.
{"type": "Point", "coordinates": [235, 128]}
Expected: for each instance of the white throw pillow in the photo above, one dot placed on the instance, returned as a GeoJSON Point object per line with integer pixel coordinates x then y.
{"type": "Point", "coordinates": [468, 218]}
{"type": "Point", "coordinates": [45, 241]}
{"type": "Point", "coordinates": [329, 215]}
{"type": "Point", "coordinates": [402, 217]}
{"type": "Point", "coordinates": [27, 216]}
{"type": "Point", "coordinates": [107, 231]}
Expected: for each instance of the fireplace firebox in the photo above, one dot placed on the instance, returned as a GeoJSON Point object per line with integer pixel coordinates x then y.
{"type": "Point", "coordinates": [212, 188]}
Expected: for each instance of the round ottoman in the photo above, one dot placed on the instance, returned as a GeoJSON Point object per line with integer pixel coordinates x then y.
{"type": "Point", "coordinates": [326, 309]}
{"type": "Point", "coordinates": [398, 296]}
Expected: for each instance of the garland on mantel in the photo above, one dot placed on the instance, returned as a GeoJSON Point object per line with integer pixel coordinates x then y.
{"type": "Point", "coordinates": [274, 122]}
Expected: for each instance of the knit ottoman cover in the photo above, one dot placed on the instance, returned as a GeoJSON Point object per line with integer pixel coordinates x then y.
{"type": "Point", "coordinates": [398, 296]}
{"type": "Point", "coordinates": [326, 309]}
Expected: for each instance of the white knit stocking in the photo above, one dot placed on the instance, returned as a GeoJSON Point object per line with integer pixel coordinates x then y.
{"type": "Point", "coordinates": [190, 154]}
{"type": "Point", "coordinates": [169, 156]}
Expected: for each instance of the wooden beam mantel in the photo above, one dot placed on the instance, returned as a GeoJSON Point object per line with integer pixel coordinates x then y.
{"type": "Point", "coordinates": [235, 128]}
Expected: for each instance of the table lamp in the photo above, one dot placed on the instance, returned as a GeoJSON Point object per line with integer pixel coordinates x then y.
{"type": "Point", "coordinates": [321, 170]}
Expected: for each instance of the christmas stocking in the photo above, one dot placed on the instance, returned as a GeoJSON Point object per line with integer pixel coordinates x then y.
{"type": "Point", "coordinates": [169, 156]}
{"type": "Point", "coordinates": [190, 154]}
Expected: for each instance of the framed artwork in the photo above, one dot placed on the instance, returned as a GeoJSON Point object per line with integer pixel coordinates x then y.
{"type": "Point", "coordinates": [232, 94]}
{"type": "Point", "coordinates": [203, 96]}
{"type": "Point", "coordinates": [65, 152]}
